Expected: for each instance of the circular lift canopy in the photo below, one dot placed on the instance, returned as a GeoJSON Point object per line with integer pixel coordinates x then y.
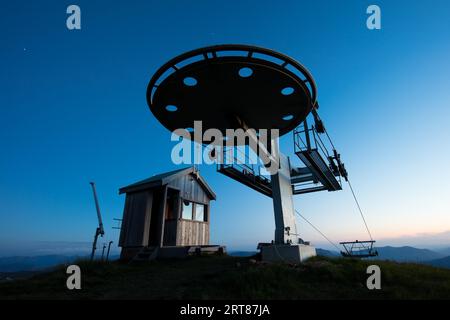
{"type": "Point", "coordinates": [225, 86]}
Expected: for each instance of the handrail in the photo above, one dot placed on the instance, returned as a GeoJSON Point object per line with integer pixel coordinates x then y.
{"type": "Point", "coordinates": [317, 142]}
{"type": "Point", "coordinates": [253, 169]}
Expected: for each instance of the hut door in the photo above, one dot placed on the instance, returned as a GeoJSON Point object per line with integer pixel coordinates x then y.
{"type": "Point", "coordinates": [155, 223]}
{"type": "Point", "coordinates": [171, 217]}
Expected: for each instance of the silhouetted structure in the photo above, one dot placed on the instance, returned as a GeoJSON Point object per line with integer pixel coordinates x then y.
{"type": "Point", "coordinates": [245, 87]}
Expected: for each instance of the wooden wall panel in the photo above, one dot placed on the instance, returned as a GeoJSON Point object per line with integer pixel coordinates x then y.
{"type": "Point", "coordinates": [136, 219]}
{"type": "Point", "coordinates": [192, 233]}
{"type": "Point", "coordinates": [190, 189]}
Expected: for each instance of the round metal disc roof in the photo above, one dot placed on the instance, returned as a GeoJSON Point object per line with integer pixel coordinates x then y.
{"type": "Point", "coordinates": [225, 86]}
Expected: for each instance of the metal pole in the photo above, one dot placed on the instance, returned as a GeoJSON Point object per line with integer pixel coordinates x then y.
{"type": "Point", "coordinates": [103, 251]}
{"type": "Point", "coordinates": [308, 139]}
{"type": "Point", "coordinates": [109, 248]}
{"type": "Point", "coordinates": [97, 207]}
{"type": "Point", "coordinates": [99, 231]}
{"type": "Point", "coordinates": [94, 244]}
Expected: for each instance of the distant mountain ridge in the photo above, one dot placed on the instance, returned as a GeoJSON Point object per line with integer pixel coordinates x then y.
{"type": "Point", "coordinates": [327, 253]}
{"type": "Point", "coordinates": [34, 263]}
{"type": "Point", "coordinates": [399, 254]}
{"type": "Point", "coordinates": [407, 254]}
{"type": "Point", "coordinates": [441, 263]}
{"type": "Point", "coordinates": [444, 251]}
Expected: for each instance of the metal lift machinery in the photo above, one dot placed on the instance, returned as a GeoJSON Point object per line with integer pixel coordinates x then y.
{"type": "Point", "coordinates": [242, 87]}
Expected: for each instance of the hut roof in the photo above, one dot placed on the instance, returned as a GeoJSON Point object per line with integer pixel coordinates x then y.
{"type": "Point", "coordinates": [166, 177]}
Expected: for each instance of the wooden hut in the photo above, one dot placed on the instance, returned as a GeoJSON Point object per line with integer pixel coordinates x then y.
{"type": "Point", "coordinates": [167, 214]}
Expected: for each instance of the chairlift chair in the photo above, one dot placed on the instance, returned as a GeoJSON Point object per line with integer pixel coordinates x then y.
{"type": "Point", "coordinates": [359, 249]}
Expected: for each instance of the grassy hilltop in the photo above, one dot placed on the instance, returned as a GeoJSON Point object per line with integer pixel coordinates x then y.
{"type": "Point", "coordinates": [225, 277]}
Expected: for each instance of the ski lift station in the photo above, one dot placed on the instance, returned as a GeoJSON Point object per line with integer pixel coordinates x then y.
{"type": "Point", "coordinates": [235, 87]}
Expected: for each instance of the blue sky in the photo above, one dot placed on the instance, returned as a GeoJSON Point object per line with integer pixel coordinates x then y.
{"type": "Point", "coordinates": [73, 109]}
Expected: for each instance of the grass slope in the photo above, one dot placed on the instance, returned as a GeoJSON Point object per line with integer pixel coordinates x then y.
{"type": "Point", "coordinates": [225, 277]}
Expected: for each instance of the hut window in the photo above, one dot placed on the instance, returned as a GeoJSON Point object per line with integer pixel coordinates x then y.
{"type": "Point", "coordinates": [187, 210]}
{"type": "Point", "coordinates": [199, 212]}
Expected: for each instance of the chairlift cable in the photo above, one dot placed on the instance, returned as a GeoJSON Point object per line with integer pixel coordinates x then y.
{"type": "Point", "coordinates": [360, 210]}
{"type": "Point", "coordinates": [315, 228]}
{"type": "Point", "coordinates": [329, 138]}
{"type": "Point", "coordinates": [351, 188]}
{"type": "Point", "coordinates": [325, 130]}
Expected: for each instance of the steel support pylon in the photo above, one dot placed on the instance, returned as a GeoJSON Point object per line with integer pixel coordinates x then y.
{"type": "Point", "coordinates": [283, 204]}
